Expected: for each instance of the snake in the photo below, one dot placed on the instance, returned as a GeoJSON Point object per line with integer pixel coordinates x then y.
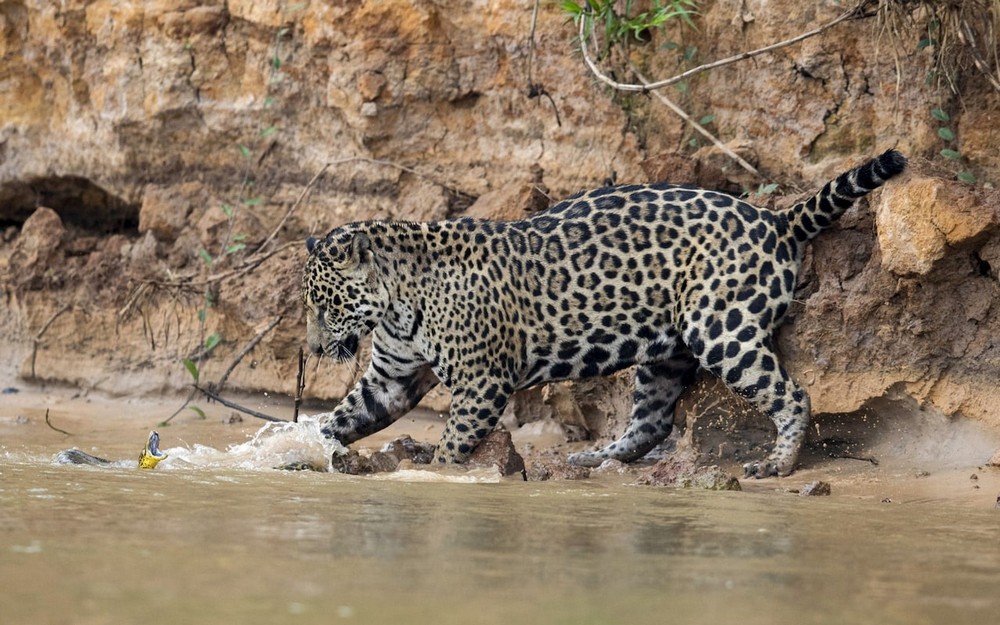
{"type": "Point", "coordinates": [149, 457]}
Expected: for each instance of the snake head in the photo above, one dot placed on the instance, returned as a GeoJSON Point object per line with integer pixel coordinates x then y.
{"type": "Point", "coordinates": [151, 455]}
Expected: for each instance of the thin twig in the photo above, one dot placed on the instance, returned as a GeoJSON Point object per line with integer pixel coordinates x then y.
{"type": "Point", "coordinates": [37, 340]}
{"type": "Point", "coordinates": [252, 343]}
{"type": "Point", "coordinates": [182, 406]}
{"type": "Point", "coordinates": [300, 384]}
{"type": "Point", "coordinates": [49, 423]}
{"type": "Point", "coordinates": [536, 90]}
{"type": "Point", "coordinates": [291, 209]}
{"type": "Point", "coordinates": [680, 113]}
{"type": "Point", "coordinates": [531, 42]}
{"type": "Point", "coordinates": [251, 263]}
{"type": "Point", "coordinates": [707, 66]}
{"type": "Point", "coordinates": [968, 36]}
{"type": "Point", "coordinates": [235, 406]}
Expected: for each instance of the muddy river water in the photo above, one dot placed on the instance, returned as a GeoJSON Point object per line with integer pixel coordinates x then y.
{"type": "Point", "coordinates": [214, 535]}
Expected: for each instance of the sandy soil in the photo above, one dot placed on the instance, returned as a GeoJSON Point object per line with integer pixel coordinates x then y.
{"type": "Point", "coordinates": [926, 461]}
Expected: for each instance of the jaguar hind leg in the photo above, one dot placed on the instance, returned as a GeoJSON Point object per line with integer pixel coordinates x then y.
{"type": "Point", "coordinates": [657, 387]}
{"type": "Point", "coordinates": [751, 369]}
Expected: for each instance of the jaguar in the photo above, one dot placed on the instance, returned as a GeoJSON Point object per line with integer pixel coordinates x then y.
{"type": "Point", "coordinates": [662, 277]}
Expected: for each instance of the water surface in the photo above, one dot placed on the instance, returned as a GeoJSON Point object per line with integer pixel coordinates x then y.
{"type": "Point", "coordinates": [215, 536]}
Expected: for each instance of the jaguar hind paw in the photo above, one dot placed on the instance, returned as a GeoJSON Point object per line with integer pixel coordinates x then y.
{"type": "Point", "coordinates": [766, 468]}
{"type": "Point", "coordinates": [586, 459]}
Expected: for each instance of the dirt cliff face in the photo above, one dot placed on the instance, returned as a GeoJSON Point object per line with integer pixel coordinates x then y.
{"type": "Point", "coordinates": [153, 155]}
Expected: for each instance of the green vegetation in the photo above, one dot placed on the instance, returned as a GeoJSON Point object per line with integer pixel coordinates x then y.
{"type": "Point", "coordinates": [620, 23]}
{"type": "Point", "coordinates": [948, 136]}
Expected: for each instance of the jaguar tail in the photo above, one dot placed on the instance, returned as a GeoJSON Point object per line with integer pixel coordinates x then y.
{"type": "Point", "coordinates": [809, 218]}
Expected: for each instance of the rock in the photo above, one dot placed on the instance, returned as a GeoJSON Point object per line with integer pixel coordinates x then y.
{"type": "Point", "coordinates": [542, 471]}
{"type": "Point", "coordinates": [920, 219]}
{"type": "Point", "coordinates": [165, 210]}
{"type": "Point", "coordinates": [405, 448]}
{"type": "Point", "coordinates": [995, 460]}
{"type": "Point", "coordinates": [817, 488]}
{"type": "Point", "coordinates": [38, 248]}
{"type": "Point", "coordinates": [382, 462]}
{"type": "Point", "coordinates": [611, 467]}
{"type": "Point", "coordinates": [681, 471]}
{"type": "Point", "coordinates": [514, 201]}
{"type": "Point", "coordinates": [353, 463]}
{"type": "Point", "coordinates": [497, 450]}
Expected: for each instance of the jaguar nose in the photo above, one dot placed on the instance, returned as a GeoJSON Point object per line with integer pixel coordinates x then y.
{"type": "Point", "coordinates": [316, 349]}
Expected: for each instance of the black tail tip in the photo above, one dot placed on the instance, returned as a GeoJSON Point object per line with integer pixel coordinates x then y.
{"type": "Point", "coordinates": [890, 164]}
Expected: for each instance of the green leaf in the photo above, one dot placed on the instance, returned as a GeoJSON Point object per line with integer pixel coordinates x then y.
{"type": "Point", "coordinates": [690, 52]}
{"type": "Point", "coordinates": [227, 210]}
{"type": "Point", "coordinates": [940, 115]}
{"type": "Point", "coordinates": [681, 86]}
{"type": "Point", "coordinates": [268, 102]}
{"type": "Point", "coordinates": [192, 368]}
{"type": "Point", "coordinates": [202, 313]}
{"type": "Point", "coordinates": [276, 62]}
{"type": "Point", "coordinates": [706, 120]}
{"type": "Point", "coordinates": [198, 411]}
{"type": "Point", "coordinates": [967, 177]}
{"type": "Point", "coordinates": [235, 247]}
{"type": "Point", "coordinates": [205, 256]}
{"type": "Point", "coordinates": [212, 341]}
{"type": "Point", "coordinates": [571, 7]}
{"type": "Point", "coordinates": [267, 132]}
{"type": "Point", "coordinates": [946, 134]}
{"type": "Point", "coordinates": [244, 151]}
{"type": "Point", "coordinates": [926, 42]}
{"type": "Point", "coordinates": [952, 154]}
{"type": "Point", "coordinates": [765, 189]}
{"type": "Point", "coordinates": [240, 237]}
{"type": "Point", "coordinates": [253, 201]}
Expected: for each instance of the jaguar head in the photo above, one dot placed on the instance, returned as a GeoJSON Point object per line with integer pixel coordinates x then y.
{"type": "Point", "coordinates": [344, 293]}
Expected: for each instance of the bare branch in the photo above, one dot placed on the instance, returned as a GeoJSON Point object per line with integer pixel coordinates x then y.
{"type": "Point", "coordinates": [291, 209]}
{"type": "Point", "coordinates": [715, 141]}
{"type": "Point", "coordinates": [707, 66]}
{"type": "Point", "coordinates": [37, 340]}
{"type": "Point", "coordinates": [217, 387]}
{"type": "Point", "coordinates": [235, 406]}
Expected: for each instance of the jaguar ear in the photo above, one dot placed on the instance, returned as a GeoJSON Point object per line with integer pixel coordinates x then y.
{"type": "Point", "coordinates": [361, 249]}
{"type": "Point", "coordinates": [310, 244]}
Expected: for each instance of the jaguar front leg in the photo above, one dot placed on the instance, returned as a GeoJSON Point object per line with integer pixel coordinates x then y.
{"type": "Point", "coordinates": [382, 395]}
{"type": "Point", "coordinates": [475, 411]}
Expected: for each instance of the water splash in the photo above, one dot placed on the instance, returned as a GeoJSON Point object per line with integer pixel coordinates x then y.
{"type": "Point", "coordinates": [273, 445]}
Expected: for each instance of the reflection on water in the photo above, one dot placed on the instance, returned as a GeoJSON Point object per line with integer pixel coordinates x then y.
{"type": "Point", "coordinates": [215, 536]}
